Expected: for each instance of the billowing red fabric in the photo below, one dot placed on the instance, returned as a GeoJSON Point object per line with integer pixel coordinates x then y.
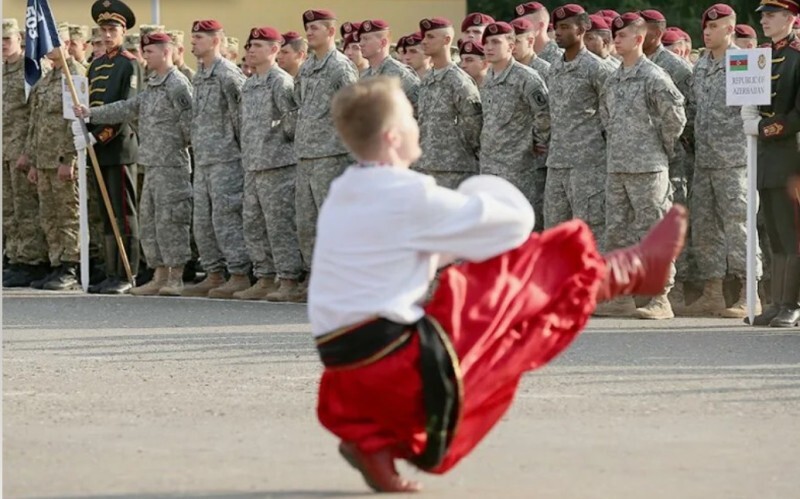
{"type": "Point", "coordinates": [505, 316]}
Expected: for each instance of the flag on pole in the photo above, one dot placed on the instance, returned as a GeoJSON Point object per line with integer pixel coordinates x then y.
{"type": "Point", "coordinates": [41, 37]}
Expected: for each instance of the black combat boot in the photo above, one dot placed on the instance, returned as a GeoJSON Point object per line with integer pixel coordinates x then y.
{"type": "Point", "coordinates": [111, 279]}
{"type": "Point", "coordinates": [789, 316]}
{"type": "Point", "coordinates": [65, 279]}
{"type": "Point", "coordinates": [122, 285]}
{"type": "Point", "coordinates": [771, 311]}
{"type": "Point", "coordinates": [39, 283]}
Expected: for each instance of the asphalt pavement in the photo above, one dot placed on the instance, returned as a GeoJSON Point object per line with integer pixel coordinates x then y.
{"type": "Point", "coordinates": [125, 397]}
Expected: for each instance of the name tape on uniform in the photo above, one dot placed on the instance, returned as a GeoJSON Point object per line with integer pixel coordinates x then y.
{"type": "Point", "coordinates": [748, 77]}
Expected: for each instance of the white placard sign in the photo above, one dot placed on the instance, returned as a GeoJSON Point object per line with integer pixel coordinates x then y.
{"type": "Point", "coordinates": [82, 87]}
{"type": "Point", "coordinates": [748, 75]}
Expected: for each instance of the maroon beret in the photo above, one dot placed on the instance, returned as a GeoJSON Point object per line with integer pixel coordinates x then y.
{"type": "Point", "coordinates": [717, 11]}
{"type": "Point", "coordinates": [522, 26]}
{"type": "Point", "coordinates": [349, 39]}
{"type": "Point", "coordinates": [670, 38]}
{"type": "Point", "coordinates": [625, 20]}
{"type": "Point", "coordinates": [266, 34]}
{"type": "Point", "coordinates": [155, 38]}
{"type": "Point", "coordinates": [318, 15]}
{"type": "Point", "coordinates": [613, 14]}
{"type": "Point", "coordinates": [653, 16]}
{"type": "Point", "coordinates": [494, 29]}
{"type": "Point", "coordinates": [476, 19]}
{"type": "Point", "coordinates": [434, 23]}
{"type": "Point", "coordinates": [207, 26]}
{"type": "Point", "coordinates": [745, 31]}
{"type": "Point", "coordinates": [599, 23]}
{"type": "Point", "coordinates": [400, 43]}
{"type": "Point", "coordinates": [290, 36]}
{"type": "Point", "coordinates": [373, 26]}
{"type": "Point", "coordinates": [524, 9]}
{"type": "Point", "coordinates": [347, 27]}
{"type": "Point", "coordinates": [414, 39]}
{"type": "Point", "coordinates": [471, 48]}
{"type": "Point", "coordinates": [684, 35]}
{"type": "Point", "coordinates": [567, 11]}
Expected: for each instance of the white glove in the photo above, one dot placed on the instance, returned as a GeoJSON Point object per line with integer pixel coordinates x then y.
{"type": "Point", "coordinates": [750, 113]}
{"type": "Point", "coordinates": [751, 126]}
{"type": "Point", "coordinates": [80, 140]}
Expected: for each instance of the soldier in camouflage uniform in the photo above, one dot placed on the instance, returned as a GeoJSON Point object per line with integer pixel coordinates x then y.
{"type": "Point", "coordinates": [598, 40]}
{"type": "Point", "coordinates": [79, 37]}
{"type": "Point", "coordinates": [576, 161]}
{"type": "Point", "coordinates": [164, 111]}
{"type": "Point", "coordinates": [352, 49]}
{"type": "Point", "coordinates": [321, 155]}
{"type": "Point", "coordinates": [719, 192]}
{"type": "Point", "coordinates": [24, 240]}
{"type": "Point", "coordinates": [178, 58]}
{"type": "Point", "coordinates": [131, 44]}
{"type": "Point", "coordinates": [682, 163]}
{"type": "Point", "coordinates": [449, 111]}
{"type": "Point", "coordinates": [373, 37]}
{"type": "Point", "coordinates": [473, 61]}
{"type": "Point", "coordinates": [643, 113]}
{"type": "Point", "coordinates": [53, 158]}
{"type": "Point", "coordinates": [515, 106]}
{"type": "Point", "coordinates": [218, 174]}
{"type": "Point", "coordinates": [415, 57]}
{"type": "Point", "coordinates": [232, 49]}
{"type": "Point", "coordinates": [293, 53]}
{"type": "Point", "coordinates": [536, 13]}
{"type": "Point", "coordinates": [268, 114]}
{"type": "Point", "coordinates": [473, 26]}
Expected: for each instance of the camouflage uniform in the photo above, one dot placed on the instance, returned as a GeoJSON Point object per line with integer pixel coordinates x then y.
{"type": "Point", "coordinates": [24, 239]}
{"type": "Point", "coordinates": [268, 121]}
{"type": "Point", "coordinates": [48, 145]}
{"type": "Point", "coordinates": [322, 156]}
{"type": "Point", "coordinates": [539, 158]}
{"type": "Point", "coordinates": [719, 193]}
{"type": "Point", "coordinates": [450, 120]}
{"type": "Point", "coordinates": [515, 105]}
{"type": "Point", "coordinates": [408, 77]}
{"type": "Point", "coordinates": [218, 175]}
{"type": "Point", "coordinates": [551, 52]}
{"type": "Point", "coordinates": [576, 159]}
{"type": "Point", "coordinates": [681, 165]}
{"type": "Point", "coordinates": [644, 116]}
{"type": "Point", "coordinates": [164, 111]}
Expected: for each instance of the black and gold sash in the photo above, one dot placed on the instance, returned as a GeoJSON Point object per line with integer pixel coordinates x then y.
{"type": "Point", "coordinates": [442, 388]}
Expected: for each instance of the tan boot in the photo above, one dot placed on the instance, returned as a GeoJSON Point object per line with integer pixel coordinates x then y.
{"type": "Point", "coordinates": [263, 287]}
{"type": "Point", "coordinates": [659, 308]}
{"type": "Point", "coordinates": [212, 280]}
{"type": "Point", "coordinates": [739, 309]}
{"type": "Point", "coordinates": [152, 287]}
{"type": "Point", "coordinates": [622, 306]}
{"type": "Point", "coordinates": [174, 285]}
{"type": "Point", "coordinates": [711, 303]}
{"type": "Point", "coordinates": [289, 291]}
{"type": "Point", "coordinates": [237, 282]}
{"type": "Point", "coordinates": [677, 298]}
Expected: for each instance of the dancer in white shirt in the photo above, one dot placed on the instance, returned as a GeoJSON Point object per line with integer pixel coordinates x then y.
{"type": "Point", "coordinates": [425, 382]}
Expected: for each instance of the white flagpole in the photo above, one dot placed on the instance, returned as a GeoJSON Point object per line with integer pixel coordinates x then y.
{"type": "Point", "coordinates": [83, 204]}
{"type": "Point", "coordinates": [752, 234]}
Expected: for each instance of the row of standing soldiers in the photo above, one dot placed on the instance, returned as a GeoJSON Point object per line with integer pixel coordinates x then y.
{"type": "Point", "coordinates": [612, 138]}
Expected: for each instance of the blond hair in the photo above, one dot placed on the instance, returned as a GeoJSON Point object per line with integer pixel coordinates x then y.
{"type": "Point", "coordinates": [363, 111]}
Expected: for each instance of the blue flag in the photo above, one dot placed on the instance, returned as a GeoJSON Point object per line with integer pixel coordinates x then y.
{"type": "Point", "coordinates": [41, 37]}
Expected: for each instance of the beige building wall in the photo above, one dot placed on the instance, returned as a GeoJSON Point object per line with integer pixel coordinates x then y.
{"type": "Point", "coordinates": [238, 16]}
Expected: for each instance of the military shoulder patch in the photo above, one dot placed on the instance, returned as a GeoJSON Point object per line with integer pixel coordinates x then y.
{"type": "Point", "coordinates": [773, 130]}
{"type": "Point", "coordinates": [540, 98]}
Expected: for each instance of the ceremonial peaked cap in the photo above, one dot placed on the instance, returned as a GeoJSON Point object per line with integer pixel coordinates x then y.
{"type": "Point", "coordinates": [772, 5]}
{"type": "Point", "coordinates": [113, 11]}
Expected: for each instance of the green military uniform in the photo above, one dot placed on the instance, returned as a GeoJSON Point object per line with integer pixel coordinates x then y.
{"type": "Point", "coordinates": [24, 241]}
{"type": "Point", "coordinates": [778, 162]}
{"type": "Point", "coordinates": [112, 77]}
{"type": "Point", "coordinates": [50, 145]}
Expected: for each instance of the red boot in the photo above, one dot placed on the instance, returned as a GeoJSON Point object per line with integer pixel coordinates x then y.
{"type": "Point", "coordinates": [643, 269]}
{"type": "Point", "coordinates": [378, 470]}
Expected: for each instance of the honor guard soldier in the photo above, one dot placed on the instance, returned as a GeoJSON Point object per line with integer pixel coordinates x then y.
{"type": "Point", "coordinates": [777, 126]}
{"type": "Point", "coordinates": [113, 77]}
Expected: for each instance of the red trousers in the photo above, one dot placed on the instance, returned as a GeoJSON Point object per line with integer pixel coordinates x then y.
{"type": "Point", "coordinates": [505, 316]}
